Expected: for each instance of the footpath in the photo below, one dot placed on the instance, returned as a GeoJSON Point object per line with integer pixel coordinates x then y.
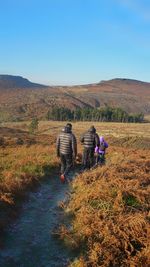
{"type": "Point", "coordinates": [29, 240]}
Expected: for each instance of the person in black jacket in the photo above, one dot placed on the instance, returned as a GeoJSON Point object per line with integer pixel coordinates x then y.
{"type": "Point", "coordinates": [66, 149]}
{"type": "Point", "coordinates": [90, 139]}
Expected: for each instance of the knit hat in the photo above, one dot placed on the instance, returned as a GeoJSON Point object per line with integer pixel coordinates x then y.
{"type": "Point", "coordinates": [101, 139]}
{"type": "Point", "coordinates": [92, 129]}
{"type": "Point", "coordinates": [69, 125]}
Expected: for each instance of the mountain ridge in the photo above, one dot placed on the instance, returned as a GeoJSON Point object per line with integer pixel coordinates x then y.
{"type": "Point", "coordinates": [23, 103]}
{"type": "Point", "coordinates": [125, 80]}
{"type": "Point", "coordinates": [20, 81]}
{"type": "Point", "coordinates": [13, 81]}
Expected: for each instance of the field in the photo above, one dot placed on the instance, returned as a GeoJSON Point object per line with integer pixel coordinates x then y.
{"type": "Point", "coordinates": [109, 206]}
{"type": "Point", "coordinates": [104, 128]}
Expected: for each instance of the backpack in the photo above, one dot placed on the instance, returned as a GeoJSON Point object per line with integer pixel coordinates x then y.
{"type": "Point", "coordinates": [102, 146]}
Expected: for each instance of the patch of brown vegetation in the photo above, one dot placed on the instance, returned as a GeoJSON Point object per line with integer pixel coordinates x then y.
{"type": "Point", "coordinates": [110, 207]}
{"type": "Point", "coordinates": [131, 142]}
{"type": "Point", "coordinates": [24, 160]}
{"type": "Point", "coordinates": [13, 136]}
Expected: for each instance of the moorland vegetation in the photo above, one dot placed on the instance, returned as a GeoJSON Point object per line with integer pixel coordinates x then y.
{"type": "Point", "coordinates": [109, 207]}
{"type": "Point", "coordinates": [110, 211]}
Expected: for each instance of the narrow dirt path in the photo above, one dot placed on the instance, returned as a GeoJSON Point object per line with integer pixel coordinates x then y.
{"type": "Point", "coordinates": [29, 242]}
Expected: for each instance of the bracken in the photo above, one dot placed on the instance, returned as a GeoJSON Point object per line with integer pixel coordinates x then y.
{"type": "Point", "coordinates": [110, 206]}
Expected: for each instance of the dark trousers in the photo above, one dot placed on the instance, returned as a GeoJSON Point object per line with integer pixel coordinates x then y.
{"type": "Point", "coordinates": [100, 158]}
{"type": "Point", "coordinates": [88, 158]}
{"type": "Point", "coordinates": [66, 163]}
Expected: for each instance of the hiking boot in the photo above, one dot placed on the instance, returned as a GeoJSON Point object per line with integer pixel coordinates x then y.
{"type": "Point", "coordinates": [62, 178]}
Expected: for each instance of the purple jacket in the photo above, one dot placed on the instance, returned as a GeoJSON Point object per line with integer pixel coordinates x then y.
{"type": "Point", "coordinates": [99, 150]}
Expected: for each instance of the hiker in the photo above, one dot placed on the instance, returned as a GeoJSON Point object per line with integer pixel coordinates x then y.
{"type": "Point", "coordinates": [90, 140]}
{"type": "Point", "coordinates": [66, 149]}
{"type": "Point", "coordinates": [100, 151]}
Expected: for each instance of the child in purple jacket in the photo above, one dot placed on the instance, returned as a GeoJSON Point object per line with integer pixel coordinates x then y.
{"type": "Point", "coordinates": [100, 151]}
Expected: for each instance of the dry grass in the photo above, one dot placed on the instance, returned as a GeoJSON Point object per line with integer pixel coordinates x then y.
{"type": "Point", "coordinates": [111, 211]}
{"type": "Point", "coordinates": [22, 165]}
{"type": "Point", "coordinates": [110, 205]}
{"type": "Point", "coordinates": [103, 128]}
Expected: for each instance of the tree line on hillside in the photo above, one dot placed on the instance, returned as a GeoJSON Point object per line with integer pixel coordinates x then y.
{"type": "Point", "coordinates": [107, 114]}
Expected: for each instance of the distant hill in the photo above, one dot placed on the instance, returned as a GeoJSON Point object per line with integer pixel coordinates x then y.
{"type": "Point", "coordinates": [10, 81]}
{"type": "Point", "coordinates": [18, 103]}
{"type": "Point", "coordinates": [125, 81]}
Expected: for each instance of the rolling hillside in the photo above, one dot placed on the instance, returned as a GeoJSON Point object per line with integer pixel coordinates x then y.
{"type": "Point", "coordinates": [11, 82]}
{"type": "Point", "coordinates": [21, 99]}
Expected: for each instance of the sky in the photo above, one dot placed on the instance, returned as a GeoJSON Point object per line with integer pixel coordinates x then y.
{"type": "Point", "coordinates": [66, 42]}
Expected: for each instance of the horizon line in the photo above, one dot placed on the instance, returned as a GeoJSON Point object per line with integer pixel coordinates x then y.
{"type": "Point", "coordinates": [72, 85]}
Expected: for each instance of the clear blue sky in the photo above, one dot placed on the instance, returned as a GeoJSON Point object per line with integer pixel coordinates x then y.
{"type": "Point", "coordinates": [75, 41]}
